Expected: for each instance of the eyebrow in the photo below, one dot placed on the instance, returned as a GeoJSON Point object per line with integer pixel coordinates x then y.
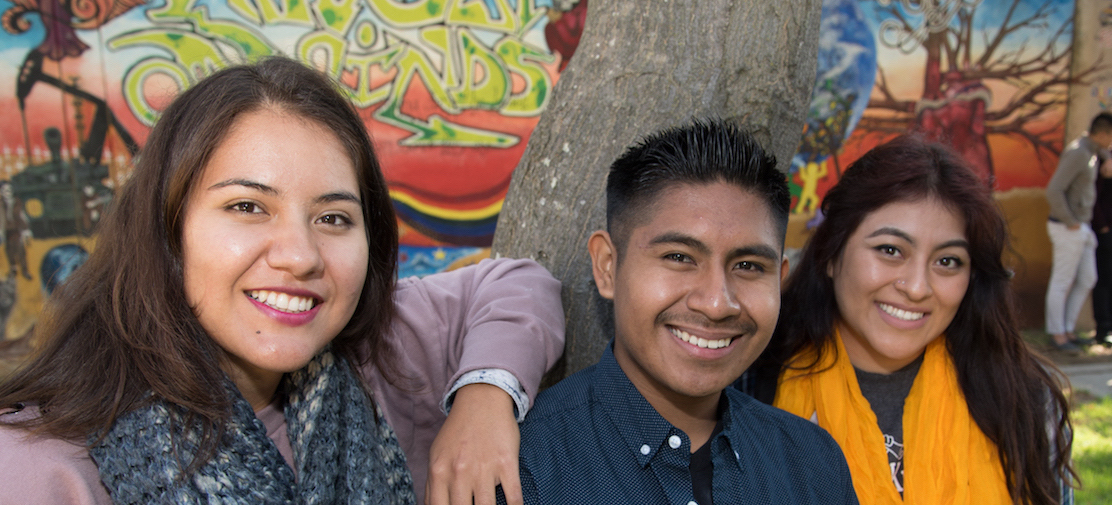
{"type": "Point", "coordinates": [245, 183]}
{"type": "Point", "coordinates": [759, 250]}
{"type": "Point", "coordinates": [336, 196]}
{"type": "Point", "coordinates": [889, 230]}
{"type": "Point", "coordinates": [339, 196]}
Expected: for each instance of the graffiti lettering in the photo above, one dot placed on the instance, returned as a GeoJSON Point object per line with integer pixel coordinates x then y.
{"type": "Point", "coordinates": [936, 16]}
{"type": "Point", "coordinates": [466, 54]}
{"type": "Point", "coordinates": [268, 12]}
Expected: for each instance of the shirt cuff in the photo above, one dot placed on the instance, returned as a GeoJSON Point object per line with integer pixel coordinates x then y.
{"type": "Point", "coordinates": [503, 379]}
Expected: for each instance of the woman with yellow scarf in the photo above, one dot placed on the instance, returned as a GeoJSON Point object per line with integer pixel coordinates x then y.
{"type": "Point", "coordinates": [898, 337]}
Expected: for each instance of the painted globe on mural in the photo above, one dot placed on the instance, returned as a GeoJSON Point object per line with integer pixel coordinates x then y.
{"type": "Point", "coordinates": [58, 263]}
{"type": "Point", "coordinates": [846, 71]}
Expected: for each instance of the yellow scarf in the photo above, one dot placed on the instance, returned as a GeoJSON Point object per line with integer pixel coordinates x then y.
{"type": "Point", "coordinates": [947, 459]}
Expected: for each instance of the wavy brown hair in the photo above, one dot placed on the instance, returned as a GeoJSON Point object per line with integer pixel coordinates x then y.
{"type": "Point", "coordinates": [1012, 393]}
{"type": "Point", "coordinates": [120, 331]}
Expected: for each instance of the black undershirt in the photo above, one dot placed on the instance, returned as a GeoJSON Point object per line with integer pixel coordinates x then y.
{"type": "Point", "coordinates": [701, 466]}
{"type": "Point", "coordinates": [886, 394]}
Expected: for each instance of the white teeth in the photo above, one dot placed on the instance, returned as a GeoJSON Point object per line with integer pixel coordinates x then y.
{"type": "Point", "coordinates": [283, 301]}
{"type": "Point", "coordinates": [700, 342]}
{"type": "Point", "coordinates": [900, 313]}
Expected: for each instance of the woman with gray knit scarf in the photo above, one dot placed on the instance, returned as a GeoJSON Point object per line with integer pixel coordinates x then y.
{"type": "Point", "coordinates": [239, 336]}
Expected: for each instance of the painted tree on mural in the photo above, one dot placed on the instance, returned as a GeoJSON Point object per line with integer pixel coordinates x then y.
{"type": "Point", "coordinates": [642, 66]}
{"type": "Point", "coordinates": [969, 53]}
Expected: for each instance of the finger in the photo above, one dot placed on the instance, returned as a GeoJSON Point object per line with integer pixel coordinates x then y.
{"type": "Point", "coordinates": [461, 493]}
{"type": "Point", "coordinates": [435, 492]}
{"type": "Point", "coordinates": [484, 495]}
{"type": "Point", "coordinates": [511, 485]}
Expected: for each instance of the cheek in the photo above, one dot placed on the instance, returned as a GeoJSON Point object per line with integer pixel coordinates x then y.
{"type": "Point", "coordinates": [855, 277]}
{"type": "Point", "coordinates": [761, 302]}
{"type": "Point", "coordinates": [638, 301]}
{"type": "Point", "coordinates": [348, 263]}
{"type": "Point", "coordinates": [953, 291]}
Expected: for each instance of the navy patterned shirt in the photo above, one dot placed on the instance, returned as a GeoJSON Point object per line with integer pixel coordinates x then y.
{"type": "Point", "coordinates": [593, 439]}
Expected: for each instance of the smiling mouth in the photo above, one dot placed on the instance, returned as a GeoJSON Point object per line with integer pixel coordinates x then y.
{"type": "Point", "coordinates": [901, 314]}
{"type": "Point", "coordinates": [700, 342]}
{"type": "Point", "coordinates": [283, 301]}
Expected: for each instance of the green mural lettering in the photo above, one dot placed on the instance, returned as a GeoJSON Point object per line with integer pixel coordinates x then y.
{"type": "Point", "coordinates": [272, 12]}
{"type": "Point", "coordinates": [338, 16]}
{"type": "Point", "coordinates": [174, 10]}
{"type": "Point", "coordinates": [363, 95]}
{"type": "Point", "coordinates": [378, 53]}
{"type": "Point", "coordinates": [333, 47]}
{"type": "Point", "coordinates": [138, 74]}
{"type": "Point", "coordinates": [474, 13]}
{"type": "Point", "coordinates": [409, 15]}
{"type": "Point", "coordinates": [523, 60]}
{"type": "Point", "coordinates": [194, 56]}
{"type": "Point", "coordinates": [486, 83]}
{"type": "Point", "coordinates": [439, 39]}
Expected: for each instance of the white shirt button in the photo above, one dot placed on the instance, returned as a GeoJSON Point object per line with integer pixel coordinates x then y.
{"type": "Point", "coordinates": [692, 502]}
{"type": "Point", "coordinates": [645, 449]}
{"type": "Point", "coordinates": [674, 442]}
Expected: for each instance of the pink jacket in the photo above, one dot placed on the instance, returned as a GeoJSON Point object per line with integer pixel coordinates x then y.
{"type": "Point", "coordinates": [498, 314]}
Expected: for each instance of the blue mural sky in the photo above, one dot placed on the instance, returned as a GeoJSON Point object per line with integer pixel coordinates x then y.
{"type": "Point", "coordinates": [989, 15]}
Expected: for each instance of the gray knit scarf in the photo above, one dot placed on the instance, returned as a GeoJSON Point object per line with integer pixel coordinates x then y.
{"type": "Point", "coordinates": [344, 450]}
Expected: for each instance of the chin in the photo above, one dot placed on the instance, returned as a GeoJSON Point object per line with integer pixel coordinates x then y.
{"type": "Point", "coordinates": [703, 388]}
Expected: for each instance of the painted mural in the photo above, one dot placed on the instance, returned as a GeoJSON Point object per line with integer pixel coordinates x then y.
{"type": "Point", "coordinates": [988, 77]}
{"type": "Point", "coordinates": [450, 90]}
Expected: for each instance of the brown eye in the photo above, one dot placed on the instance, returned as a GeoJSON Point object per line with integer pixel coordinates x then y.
{"type": "Point", "coordinates": [244, 207]}
{"type": "Point", "coordinates": [336, 220]}
{"type": "Point", "coordinates": [951, 262]}
{"type": "Point", "coordinates": [751, 266]}
{"type": "Point", "coordinates": [888, 250]}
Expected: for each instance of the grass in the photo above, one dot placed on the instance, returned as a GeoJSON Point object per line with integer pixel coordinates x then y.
{"type": "Point", "coordinates": [1092, 451]}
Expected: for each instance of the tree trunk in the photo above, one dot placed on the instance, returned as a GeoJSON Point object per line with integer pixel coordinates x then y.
{"type": "Point", "coordinates": [643, 66]}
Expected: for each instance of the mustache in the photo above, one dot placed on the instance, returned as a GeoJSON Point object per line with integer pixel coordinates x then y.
{"type": "Point", "coordinates": [738, 326]}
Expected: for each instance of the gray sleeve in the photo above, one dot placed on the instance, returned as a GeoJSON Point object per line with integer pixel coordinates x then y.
{"type": "Point", "coordinates": [1072, 163]}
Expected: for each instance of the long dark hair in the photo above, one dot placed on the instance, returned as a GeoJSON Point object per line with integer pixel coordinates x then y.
{"type": "Point", "coordinates": [120, 331]}
{"type": "Point", "coordinates": [1007, 387]}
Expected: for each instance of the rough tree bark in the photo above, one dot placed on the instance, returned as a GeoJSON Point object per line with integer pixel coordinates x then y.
{"type": "Point", "coordinates": [642, 66]}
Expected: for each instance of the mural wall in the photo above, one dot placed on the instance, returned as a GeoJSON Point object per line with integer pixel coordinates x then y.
{"type": "Point", "coordinates": [450, 91]}
{"type": "Point", "coordinates": [988, 77]}
{"type": "Point", "coordinates": [1005, 82]}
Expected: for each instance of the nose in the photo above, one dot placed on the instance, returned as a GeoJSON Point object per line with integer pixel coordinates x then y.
{"type": "Point", "coordinates": [294, 247]}
{"type": "Point", "coordinates": [915, 283]}
{"type": "Point", "coordinates": [715, 296]}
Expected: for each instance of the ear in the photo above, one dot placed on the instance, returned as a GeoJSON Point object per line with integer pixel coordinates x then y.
{"type": "Point", "coordinates": [604, 258]}
{"type": "Point", "coordinates": [784, 268]}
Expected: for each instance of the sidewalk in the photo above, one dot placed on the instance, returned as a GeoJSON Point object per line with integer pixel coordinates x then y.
{"type": "Point", "coordinates": [1095, 378]}
{"type": "Point", "coordinates": [1090, 372]}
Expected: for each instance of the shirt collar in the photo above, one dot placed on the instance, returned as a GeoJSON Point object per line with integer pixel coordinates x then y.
{"type": "Point", "coordinates": [642, 428]}
{"type": "Point", "coordinates": [1089, 144]}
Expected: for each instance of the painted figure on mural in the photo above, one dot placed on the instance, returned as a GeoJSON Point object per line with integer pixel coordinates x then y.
{"type": "Point", "coordinates": [565, 26]}
{"type": "Point", "coordinates": [17, 231]}
{"type": "Point", "coordinates": [810, 175]}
